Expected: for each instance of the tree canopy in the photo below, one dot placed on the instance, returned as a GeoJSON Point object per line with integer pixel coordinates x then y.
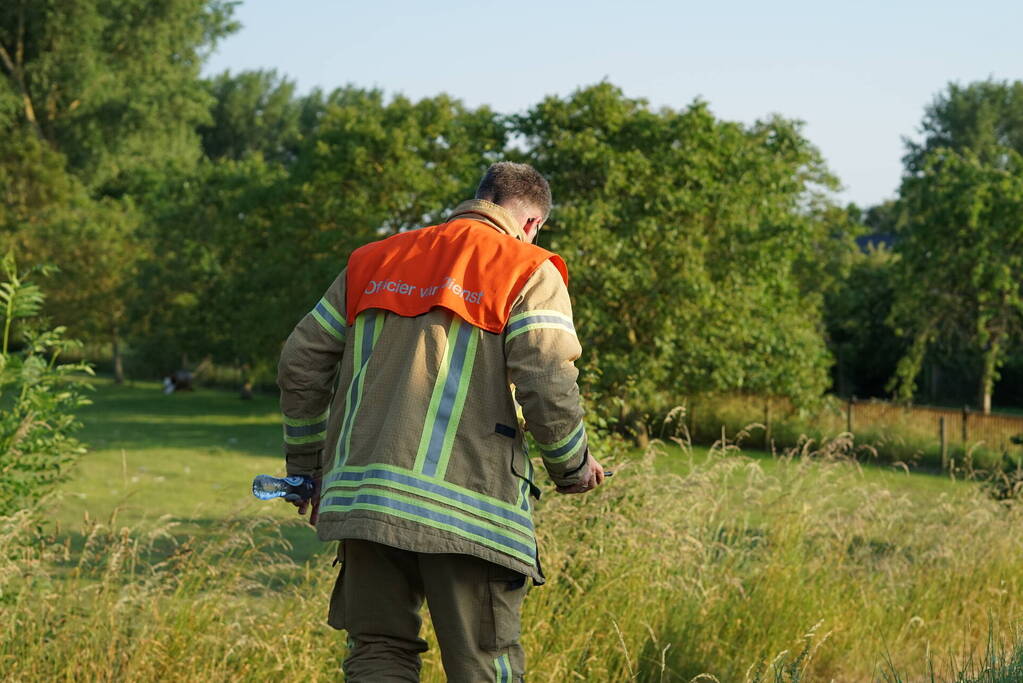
{"type": "Point", "coordinates": [201, 217]}
{"type": "Point", "coordinates": [961, 242]}
{"type": "Point", "coordinates": [684, 234]}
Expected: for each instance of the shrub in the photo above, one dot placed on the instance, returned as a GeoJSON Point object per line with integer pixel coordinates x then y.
{"type": "Point", "coordinates": [37, 397]}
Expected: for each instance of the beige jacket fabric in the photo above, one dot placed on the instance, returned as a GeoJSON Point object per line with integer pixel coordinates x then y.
{"type": "Point", "coordinates": [411, 421]}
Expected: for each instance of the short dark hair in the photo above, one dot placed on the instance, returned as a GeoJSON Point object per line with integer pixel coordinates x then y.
{"type": "Point", "coordinates": [507, 183]}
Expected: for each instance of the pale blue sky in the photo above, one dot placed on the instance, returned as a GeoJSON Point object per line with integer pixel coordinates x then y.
{"type": "Point", "coordinates": [859, 74]}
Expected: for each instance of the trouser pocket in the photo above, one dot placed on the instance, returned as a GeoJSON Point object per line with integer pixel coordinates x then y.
{"type": "Point", "coordinates": [336, 611]}
{"type": "Point", "coordinates": [502, 607]}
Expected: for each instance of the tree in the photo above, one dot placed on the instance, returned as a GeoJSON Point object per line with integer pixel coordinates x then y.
{"type": "Point", "coordinates": [260, 236]}
{"type": "Point", "coordinates": [254, 112]}
{"type": "Point", "coordinates": [961, 263]}
{"type": "Point", "coordinates": [984, 117]}
{"type": "Point", "coordinates": [113, 85]}
{"type": "Point", "coordinates": [955, 210]}
{"type": "Point", "coordinates": [98, 100]}
{"type": "Point", "coordinates": [856, 310]}
{"type": "Point", "coordinates": [684, 236]}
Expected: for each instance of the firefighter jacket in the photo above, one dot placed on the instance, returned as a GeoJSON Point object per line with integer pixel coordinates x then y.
{"type": "Point", "coordinates": [407, 410]}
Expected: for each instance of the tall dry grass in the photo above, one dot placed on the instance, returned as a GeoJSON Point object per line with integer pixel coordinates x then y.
{"type": "Point", "coordinates": [807, 573]}
{"type": "Point", "coordinates": [882, 431]}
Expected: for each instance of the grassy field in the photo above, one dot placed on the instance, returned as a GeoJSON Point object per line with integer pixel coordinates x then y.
{"type": "Point", "coordinates": [740, 566]}
{"type": "Point", "coordinates": [190, 456]}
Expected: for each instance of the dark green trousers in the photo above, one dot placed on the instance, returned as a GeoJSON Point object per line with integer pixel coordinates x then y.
{"type": "Point", "coordinates": [474, 606]}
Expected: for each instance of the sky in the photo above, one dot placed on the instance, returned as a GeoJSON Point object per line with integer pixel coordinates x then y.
{"type": "Point", "coordinates": [858, 74]}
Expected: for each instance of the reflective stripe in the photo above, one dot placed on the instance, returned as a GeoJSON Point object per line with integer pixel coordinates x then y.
{"type": "Point", "coordinates": [502, 669]}
{"type": "Point", "coordinates": [537, 320]}
{"type": "Point", "coordinates": [564, 449]}
{"type": "Point", "coordinates": [434, 516]}
{"type": "Point", "coordinates": [435, 489]}
{"type": "Point", "coordinates": [540, 311]}
{"type": "Point", "coordinates": [329, 319]}
{"type": "Point", "coordinates": [309, 438]}
{"type": "Point", "coordinates": [524, 497]}
{"type": "Point", "coordinates": [367, 331]}
{"type": "Point", "coordinates": [307, 430]}
{"type": "Point", "coordinates": [299, 430]}
{"type": "Point", "coordinates": [448, 399]}
{"type": "Point", "coordinates": [302, 421]}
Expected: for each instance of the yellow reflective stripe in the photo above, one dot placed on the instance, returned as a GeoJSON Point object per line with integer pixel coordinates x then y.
{"type": "Point", "coordinates": [437, 490]}
{"type": "Point", "coordinates": [303, 421]}
{"type": "Point", "coordinates": [540, 319]}
{"type": "Point", "coordinates": [310, 438]}
{"type": "Point", "coordinates": [330, 320]}
{"type": "Point", "coordinates": [432, 515]}
{"type": "Point", "coordinates": [437, 395]}
{"type": "Point", "coordinates": [365, 340]}
{"type": "Point", "coordinates": [541, 311]}
{"type": "Point", "coordinates": [558, 444]}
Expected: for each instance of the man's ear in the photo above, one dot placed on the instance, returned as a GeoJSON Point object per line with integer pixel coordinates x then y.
{"type": "Point", "coordinates": [532, 226]}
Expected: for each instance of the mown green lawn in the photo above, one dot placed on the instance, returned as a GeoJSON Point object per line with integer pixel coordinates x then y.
{"type": "Point", "coordinates": [190, 455]}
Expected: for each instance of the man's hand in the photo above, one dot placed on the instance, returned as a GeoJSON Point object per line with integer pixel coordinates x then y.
{"type": "Point", "coordinates": [592, 477]}
{"type": "Point", "coordinates": [312, 504]}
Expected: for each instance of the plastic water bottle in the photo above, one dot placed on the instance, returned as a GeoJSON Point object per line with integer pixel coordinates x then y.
{"type": "Point", "coordinates": [266, 487]}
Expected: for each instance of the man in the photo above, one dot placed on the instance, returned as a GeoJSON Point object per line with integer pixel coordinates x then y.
{"type": "Point", "coordinates": [396, 399]}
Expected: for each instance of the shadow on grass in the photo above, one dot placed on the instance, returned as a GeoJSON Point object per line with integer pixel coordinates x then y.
{"type": "Point", "coordinates": [141, 417]}
{"type": "Point", "coordinates": [256, 439]}
{"type": "Point", "coordinates": [294, 539]}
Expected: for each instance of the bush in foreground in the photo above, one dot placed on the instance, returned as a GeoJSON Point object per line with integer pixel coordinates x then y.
{"type": "Point", "coordinates": [37, 403]}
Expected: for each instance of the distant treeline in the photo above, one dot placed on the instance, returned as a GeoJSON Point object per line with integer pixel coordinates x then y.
{"type": "Point", "coordinates": [200, 218]}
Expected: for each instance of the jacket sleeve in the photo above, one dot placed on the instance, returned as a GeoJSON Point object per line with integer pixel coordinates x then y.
{"type": "Point", "coordinates": [541, 348]}
{"type": "Point", "coordinates": [305, 375]}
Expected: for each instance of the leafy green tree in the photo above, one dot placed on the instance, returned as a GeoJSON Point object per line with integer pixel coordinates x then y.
{"type": "Point", "coordinates": [984, 117]}
{"type": "Point", "coordinates": [690, 242]}
{"type": "Point", "coordinates": [37, 421]}
{"type": "Point", "coordinates": [97, 100]}
{"type": "Point", "coordinates": [113, 85]}
{"type": "Point", "coordinates": [961, 263]}
{"type": "Point", "coordinates": [950, 267]}
{"type": "Point", "coordinates": [856, 310]}
{"type": "Point", "coordinates": [254, 112]}
{"type": "Point", "coordinates": [263, 236]}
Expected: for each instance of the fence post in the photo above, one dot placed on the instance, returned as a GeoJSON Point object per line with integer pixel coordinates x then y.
{"type": "Point", "coordinates": [767, 425]}
{"type": "Point", "coordinates": [849, 414]}
{"type": "Point", "coordinates": [943, 435]}
{"type": "Point", "coordinates": [966, 426]}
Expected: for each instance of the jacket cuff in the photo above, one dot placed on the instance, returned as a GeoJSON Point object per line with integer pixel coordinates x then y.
{"type": "Point", "coordinates": [303, 464]}
{"type": "Point", "coordinates": [567, 478]}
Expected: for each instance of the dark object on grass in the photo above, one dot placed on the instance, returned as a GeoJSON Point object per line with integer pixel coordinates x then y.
{"type": "Point", "coordinates": [179, 380]}
{"type": "Point", "coordinates": [245, 393]}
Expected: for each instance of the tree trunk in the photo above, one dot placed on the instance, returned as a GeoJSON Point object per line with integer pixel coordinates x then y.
{"type": "Point", "coordinates": [118, 359]}
{"type": "Point", "coordinates": [987, 375]}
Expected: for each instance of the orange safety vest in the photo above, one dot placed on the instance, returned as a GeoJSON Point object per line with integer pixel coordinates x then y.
{"type": "Point", "coordinates": [465, 266]}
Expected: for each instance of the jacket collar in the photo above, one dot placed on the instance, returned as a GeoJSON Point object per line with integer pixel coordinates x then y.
{"type": "Point", "coordinates": [493, 215]}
